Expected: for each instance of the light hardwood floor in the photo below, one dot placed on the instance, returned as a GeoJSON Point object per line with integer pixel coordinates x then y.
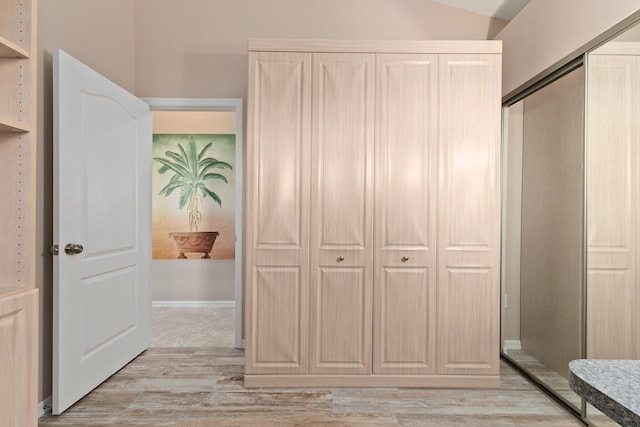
{"type": "Point", "coordinates": [203, 386]}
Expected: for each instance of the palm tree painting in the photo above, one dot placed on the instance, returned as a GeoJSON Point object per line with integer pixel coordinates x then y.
{"type": "Point", "coordinates": [193, 191]}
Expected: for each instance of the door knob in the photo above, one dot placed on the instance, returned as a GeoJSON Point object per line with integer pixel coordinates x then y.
{"type": "Point", "coordinates": [73, 248]}
{"type": "Point", "coordinates": [340, 258]}
{"type": "Point", "coordinates": [405, 258]}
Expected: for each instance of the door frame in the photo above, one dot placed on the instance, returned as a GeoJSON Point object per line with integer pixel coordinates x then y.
{"type": "Point", "coordinates": [220, 104]}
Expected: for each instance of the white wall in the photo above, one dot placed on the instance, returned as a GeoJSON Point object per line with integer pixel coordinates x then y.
{"type": "Point", "coordinates": [547, 31]}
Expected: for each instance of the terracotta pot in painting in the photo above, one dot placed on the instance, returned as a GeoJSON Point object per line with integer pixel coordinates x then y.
{"type": "Point", "coordinates": [194, 241]}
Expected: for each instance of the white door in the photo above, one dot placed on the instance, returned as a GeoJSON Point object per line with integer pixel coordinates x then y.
{"type": "Point", "coordinates": [102, 212]}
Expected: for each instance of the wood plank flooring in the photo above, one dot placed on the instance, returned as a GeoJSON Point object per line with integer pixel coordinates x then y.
{"type": "Point", "coordinates": [203, 386]}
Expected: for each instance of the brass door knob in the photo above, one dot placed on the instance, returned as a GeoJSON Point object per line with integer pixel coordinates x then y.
{"type": "Point", "coordinates": [340, 258]}
{"type": "Point", "coordinates": [405, 258]}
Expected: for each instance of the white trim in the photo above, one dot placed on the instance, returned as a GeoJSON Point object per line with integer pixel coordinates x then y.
{"type": "Point", "coordinates": [617, 48]}
{"type": "Point", "coordinates": [220, 104]}
{"type": "Point", "coordinates": [374, 380]}
{"type": "Point", "coordinates": [194, 104]}
{"type": "Point", "coordinates": [375, 46]}
{"type": "Point", "coordinates": [238, 295]}
{"type": "Point", "coordinates": [44, 407]}
{"type": "Point", "coordinates": [207, 304]}
{"type": "Point", "coordinates": [512, 345]}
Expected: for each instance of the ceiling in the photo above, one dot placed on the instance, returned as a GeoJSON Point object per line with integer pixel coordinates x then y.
{"type": "Point", "coordinates": [502, 9]}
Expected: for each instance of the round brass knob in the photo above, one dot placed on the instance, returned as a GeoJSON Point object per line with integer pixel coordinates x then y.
{"type": "Point", "coordinates": [340, 258]}
{"type": "Point", "coordinates": [405, 258]}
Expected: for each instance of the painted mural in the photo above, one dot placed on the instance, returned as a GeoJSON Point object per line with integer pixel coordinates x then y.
{"type": "Point", "coordinates": [193, 196]}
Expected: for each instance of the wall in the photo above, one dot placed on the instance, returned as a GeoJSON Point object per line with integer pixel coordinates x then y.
{"type": "Point", "coordinates": [546, 31]}
{"type": "Point", "coordinates": [197, 48]}
{"type": "Point", "coordinates": [100, 34]}
{"type": "Point", "coordinates": [193, 279]}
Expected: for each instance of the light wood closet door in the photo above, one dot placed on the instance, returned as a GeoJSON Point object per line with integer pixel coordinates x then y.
{"type": "Point", "coordinates": [469, 214]}
{"type": "Point", "coordinates": [341, 213]}
{"type": "Point", "coordinates": [19, 359]}
{"type": "Point", "coordinates": [278, 212]}
{"type": "Point", "coordinates": [612, 206]}
{"type": "Point", "coordinates": [406, 191]}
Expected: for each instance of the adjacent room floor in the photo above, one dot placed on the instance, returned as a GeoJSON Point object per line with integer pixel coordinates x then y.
{"type": "Point", "coordinates": [179, 383]}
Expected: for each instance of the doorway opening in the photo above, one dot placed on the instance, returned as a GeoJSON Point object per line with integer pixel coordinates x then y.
{"type": "Point", "coordinates": [197, 217]}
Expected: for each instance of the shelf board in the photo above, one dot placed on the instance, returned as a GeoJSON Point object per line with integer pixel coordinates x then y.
{"type": "Point", "coordinates": [9, 49]}
{"type": "Point", "coordinates": [5, 292]}
{"type": "Point", "coordinates": [13, 127]}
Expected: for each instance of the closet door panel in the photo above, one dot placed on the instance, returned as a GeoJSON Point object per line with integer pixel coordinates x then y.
{"type": "Point", "coordinates": [405, 321]}
{"type": "Point", "coordinates": [612, 203]}
{"type": "Point", "coordinates": [406, 191]}
{"type": "Point", "coordinates": [340, 324]}
{"type": "Point", "coordinates": [19, 359]}
{"type": "Point", "coordinates": [278, 319]}
{"type": "Point", "coordinates": [278, 212]}
{"type": "Point", "coordinates": [468, 301]}
{"type": "Point", "coordinates": [341, 212]}
{"type": "Point", "coordinates": [343, 149]}
{"type": "Point", "coordinates": [280, 140]}
{"type": "Point", "coordinates": [469, 214]}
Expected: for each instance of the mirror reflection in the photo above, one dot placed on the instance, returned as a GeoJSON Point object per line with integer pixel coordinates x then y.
{"type": "Point", "coordinates": [543, 237]}
{"type": "Point", "coordinates": [613, 192]}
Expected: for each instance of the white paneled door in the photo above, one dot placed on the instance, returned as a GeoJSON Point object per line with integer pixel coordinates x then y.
{"type": "Point", "coordinates": [102, 211]}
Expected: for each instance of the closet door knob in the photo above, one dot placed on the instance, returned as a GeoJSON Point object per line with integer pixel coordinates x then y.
{"type": "Point", "coordinates": [405, 258]}
{"type": "Point", "coordinates": [340, 258]}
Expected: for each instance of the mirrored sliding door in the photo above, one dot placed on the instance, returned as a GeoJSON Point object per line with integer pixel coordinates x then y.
{"type": "Point", "coordinates": [571, 221]}
{"type": "Point", "coordinates": [543, 255]}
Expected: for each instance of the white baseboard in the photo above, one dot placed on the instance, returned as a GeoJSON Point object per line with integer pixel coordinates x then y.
{"type": "Point", "coordinates": [207, 304]}
{"type": "Point", "coordinates": [44, 407]}
{"type": "Point", "coordinates": [512, 345]}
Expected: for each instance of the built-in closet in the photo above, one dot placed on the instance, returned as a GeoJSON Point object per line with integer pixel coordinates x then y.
{"type": "Point", "coordinates": [571, 195]}
{"type": "Point", "coordinates": [373, 213]}
{"type": "Point", "coordinates": [19, 302]}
